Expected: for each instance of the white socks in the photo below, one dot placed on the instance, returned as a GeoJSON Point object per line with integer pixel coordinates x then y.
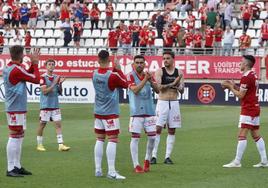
{"type": "Point", "coordinates": [134, 150]}
{"type": "Point", "coordinates": [98, 152]}
{"type": "Point", "coordinates": [110, 154]}
{"type": "Point", "coordinates": [14, 146]}
{"type": "Point", "coordinates": [262, 151]}
{"type": "Point", "coordinates": [241, 146]}
{"type": "Point", "coordinates": [156, 143]}
{"type": "Point", "coordinates": [39, 140]}
{"type": "Point", "coordinates": [170, 144]}
{"type": "Point", "coordinates": [60, 138]}
{"type": "Point", "coordinates": [149, 147]}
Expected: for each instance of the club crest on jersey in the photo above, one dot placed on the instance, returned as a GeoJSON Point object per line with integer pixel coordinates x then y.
{"type": "Point", "coordinates": [110, 123]}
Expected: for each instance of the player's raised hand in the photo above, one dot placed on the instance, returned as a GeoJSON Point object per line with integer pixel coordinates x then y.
{"type": "Point", "coordinates": [226, 84]}
{"type": "Point", "coordinates": [62, 79]}
{"type": "Point", "coordinates": [116, 63]}
{"type": "Point", "coordinates": [177, 80]}
{"type": "Point", "coordinates": [148, 76]}
{"type": "Point", "coordinates": [56, 80]}
{"type": "Point", "coordinates": [34, 56]}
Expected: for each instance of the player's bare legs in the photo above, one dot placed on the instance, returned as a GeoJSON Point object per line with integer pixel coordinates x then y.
{"type": "Point", "coordinates": [98, 152]}
{"type": "Point", "coordinates": [39, 138]}
{"type": "Point", "coordinates": [58, 127]}
{"type": "Point", "coordinates": [260, 144]}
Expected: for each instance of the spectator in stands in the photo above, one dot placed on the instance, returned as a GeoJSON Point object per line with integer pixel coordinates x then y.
{"type": "Point", "coordinates": [211, 18]}
{"type": "Point", "coordinates": [78, 11]}
{"type": "Point", "coordinates": [228, 40]}
{"type": "Point", "coordinates": [2, 42]}
{"type": "Point", "coordinates": [27, 40]}
{"type": "Point", "coordinates": [151, 40]}
{"type": "Point", "coordinates": [33, 14]}
{"type": "Point", "coordinates": [7, 15]}
{"type": "Point", "coordinates": [135, 30]}
{"type": "Point", "coordinates": [168, 38]}
{"type": "Point", "coordinates": [203, 12]}
{"type": "Point", "coordinates": [218, 32]}
{"type": "Point", "coordinates": [46, 13]}
{"type": "Point", "coordinates": [181, 40]}
{"type": "Point", "coordinates": [66, 28]}
{"type": "Point", "coordinates": [221, 8]}
{"type": "Point", "coordinates": [2, 22]}
{"type": "Point", "coordinates": [78, 29]}
{"type": "Point", "coordinates": [209, 39]}
{"type": "Point", "coordinates": [175, 30]}
{"type": "Point", "coordinates": [189, 37]}
{"type": "Point", "coordinates": [113, 38]}
{"type": "Point", "coordinates": [160, 23]}
{"type": "Point", "coordinates": [244, 43]}
{"type": "Point", "coordinates": [160, 3]}
{"type": "Point", "coordinates": [246, 16]}
{"type": "Point", "coordinates": [187, 6]}
{"type": "Point", "coordinates": [64, 12]}
{"type": "Point", "coordinates": [24, 16]}
{"type": "Point", "coordinates": [154, 18]}
{"type": "Point", "coordinates": [197, 42]}
{"type": "Point", "coordinates": [212, 4]}
{"type": "Point", "coordinates": [256, 10]}
{"type": "Point", "coordinates": [190, 20]}
{"type": "Point", "coordinates": [109, 10]}
{"type": "Point", "coordinates": [85, 13]}
{"type": "Point", "coordinates": [228, 15]}
{"type": "Point", "coordinates": [126, 39]}
{"type": "Point", "coordinates": [171, 5]}
{"type": "Point", "coordinates": [264, 33]}
{"type": "Point", "coordinates": [16, 15]}
{"type": "Point", "coordinates": [94, 14]}
{"type": "Point", "coordinates": [17, 38]}
{"type": "Point", "coordinates": [143, 38]}
{"type": "Point", "coordinates": [55, 11]}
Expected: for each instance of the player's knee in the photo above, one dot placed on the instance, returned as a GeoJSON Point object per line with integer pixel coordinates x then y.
{"type": "Point", "coordinates": [135, 135]}
{"type": "Point", "coordinates": [151, 134]}
{"type": "Point", "coordinates": [16, 131]}
{"type": "Point", "coordinates": [241, 137]}
{"type": "Point", "coordinates": [171, 131]}
{"type": "Point", "coordinates": [256, 138]}
{"type": "Point", "coordinates": [113, 138]}
{"type": "Point", "coordinates": [158, 130]}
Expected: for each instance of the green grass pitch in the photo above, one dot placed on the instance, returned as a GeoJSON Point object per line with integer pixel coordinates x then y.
{"type": "Point", "coordinates": [206, 141]}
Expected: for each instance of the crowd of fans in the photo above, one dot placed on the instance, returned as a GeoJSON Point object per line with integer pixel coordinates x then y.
{"type": "Point", "coordinates": [214, 35]}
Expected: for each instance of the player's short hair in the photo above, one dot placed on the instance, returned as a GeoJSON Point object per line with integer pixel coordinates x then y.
{"type": "Point", "coordinates": [169, 52]}
{"type": "Point", "coordinates": [103, 55]}
{"type": "Point", "coordinates": [50, 60]}
{"type": "Point", "coordinates": [16, 52]}
{"type": "Point", "coordinates": [250, 59]}
{"type": "Point", "coordinates": [139, 57]}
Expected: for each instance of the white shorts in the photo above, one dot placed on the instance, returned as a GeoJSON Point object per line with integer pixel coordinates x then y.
{"type": "Point", "coordinates": [136, 124]}
{"type": "Point", "coordinates": [168, 112]}
{"type": "Point", "coordinates": [50, 115]}
{"type": "Point", "coordinates": [32, 22]}
{"type": "Point", "coordinates": [15, 119]}
{"type": "Point", "coordinates": [107, 126]}
{"type": "Point", "coordinates": [245, 121]}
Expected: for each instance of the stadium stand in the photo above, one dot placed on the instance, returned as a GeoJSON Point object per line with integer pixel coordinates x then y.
{"type": "Point", "coordinates": [48, 31]}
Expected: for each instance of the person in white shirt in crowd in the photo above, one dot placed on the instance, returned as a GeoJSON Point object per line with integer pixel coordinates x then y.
{"type": "Point", "coordinates": [228, 40]}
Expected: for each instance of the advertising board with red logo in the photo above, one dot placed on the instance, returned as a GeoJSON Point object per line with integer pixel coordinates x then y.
{"type": "Point", "coordinates": [193, 67]}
